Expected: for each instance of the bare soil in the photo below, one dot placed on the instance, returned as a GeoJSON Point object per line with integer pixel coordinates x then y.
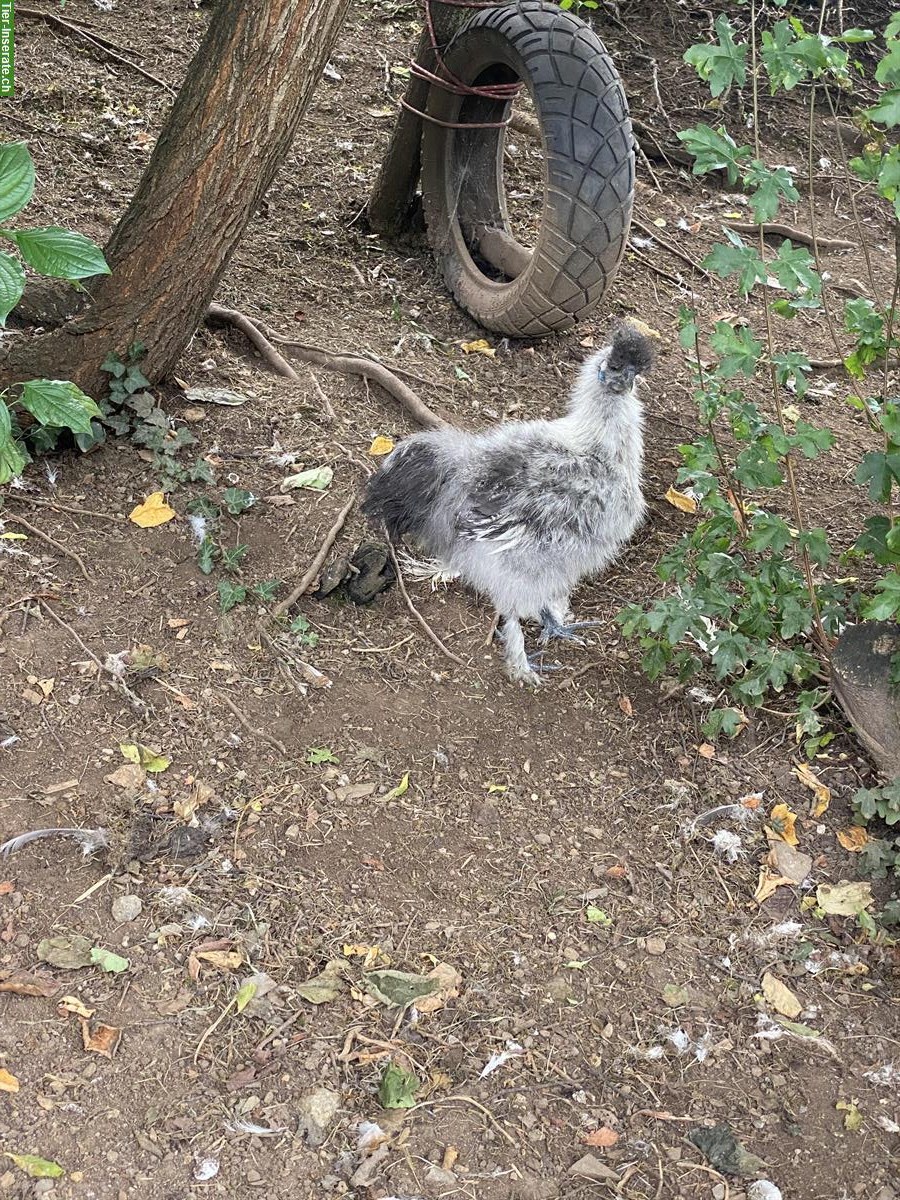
{"type": "Point", "coordinates": [525, 814]}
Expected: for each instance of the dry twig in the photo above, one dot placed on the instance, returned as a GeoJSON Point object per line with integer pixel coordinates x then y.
{"type": "Point", "coordinates": [652, 232]}
{"type": "Point", "coordinates": [776, 229]}
{"type": "Point", "coordinates": [257, 733]}
{"type": "Point", "coordinates": [118, 684]}
{"type": "Point", "coordinates": [317, 563]}
{"type": "Point", "coordinates": [426, 628]}
{"type": "Point", "coordinates": [45, 537]}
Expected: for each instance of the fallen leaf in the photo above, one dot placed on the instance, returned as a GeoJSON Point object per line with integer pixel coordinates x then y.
{"type": "Point", "coordinates": [590, 1167]}
{"type": "Point", "coordinates": [7, 886]}
{"type": "Point", "coordinates": [853, 1118]}
{"type": "Point", "coordinates": [71, 1005]}
{"type": "Point", "coordinates": [354, 791]}
{"type": "Point", "coordinates": [783, 822]}
{"type": "Point", "coordinates": [106, 960]}
{"type": "Point", "coordinates": [68, 952]}
{"type": "Point", "coordinates": [706, 750]}
{"type": "Point", "coordinates": [8, 1082]}
{"type": "Point", "coordinates": [145, 756]}
{"type": "Point", "coordinates": [381, 445]}
{"type": "Point", "coordinates": [400, 790]}
{"type": "Point", "coordinates": [129, 776]}
{"type": "Point", "coordinates": [597, 916]}
{"type": "Point", "coordinates": [724, 1152]}
{"type": "Point", "coordinates": [316, 479]}
{"type": "Point", "coordinates": [397, 1088]}
{"type": "Point", "coordinates": [37, 1168]}
{"type": "Point", "coordinates": [101, 1039]}
{"type": "Point", "coordinates": [479, 346]}
{"type": "Point", "coordinates": [625, 706]}
{"type": "Point", "coordinates": [792, 865]}
{"type": "Point", "coordinates": [224, 960]}
{"type": "Point", "coordinates": [604, 1137]}
{"type": "Point", "coordinates": [805, 1031]}
{"type": "Point", "coordinates": [448, 981]}
{"type": "Point", "coordinates": [29, 985]}
{"type": "Point", "coordinates": [154, 511]}
{"type": "Point", "coordinates": [844, 899]}
{"type": "Point", "coordinates": [791, 413]}
{"type": "Point", "coordinates": [768, 885]}
{"type": "Point", "coordinates": [13, 537]}
{"type": "Point", "coordinates": [643, 328]}
{"type": "Point", "coordinates": [216, 395]}
{"type": "Point", "coordinates": [675, 996]}
{"type": "Point", "coordinates": [822, 793]}
{"type": "Point", "coordinates": [397, 989]}
{"type": "Point", "coordinates": [245, 994]}
{"type": "Point", "coordinates": [681, 500]}
{"type": "Point", "coordinates": [326, 986]}
{"type": "Point", "coordinates": [780, 997]}
{"type": "Point", "coordinates": [854, 838]}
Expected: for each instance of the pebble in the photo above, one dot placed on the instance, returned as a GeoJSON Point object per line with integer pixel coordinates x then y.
{"type": "Point", "coordinates": [543, 839]}
{"type": "Point", "coordinates": [126, 908]}
{"type": "Point", "coordinates": [762, 1189]}
{"type": "Point", "coordinates": [655, 945]}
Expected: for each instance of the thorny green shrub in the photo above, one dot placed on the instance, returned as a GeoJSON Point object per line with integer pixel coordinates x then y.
{"type": "Point", "coordinates": [752, 595]}
{"type": "Point", "coordinates": [33, 413]}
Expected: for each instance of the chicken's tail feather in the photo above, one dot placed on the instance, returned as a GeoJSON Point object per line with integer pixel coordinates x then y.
{"type": "Point", "coordinates": [402, 494]}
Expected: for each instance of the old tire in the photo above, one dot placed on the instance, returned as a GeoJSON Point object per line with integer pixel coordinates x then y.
{"type": "Point", "coordinates": [588, 171]}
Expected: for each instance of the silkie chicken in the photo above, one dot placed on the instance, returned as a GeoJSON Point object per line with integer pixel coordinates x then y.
{"type": "Point", "coordinates": [524, 511]}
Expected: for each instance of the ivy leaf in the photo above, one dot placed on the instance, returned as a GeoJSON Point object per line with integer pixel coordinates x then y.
{"type": "Point", "coordinates": [59, 253]}
{"type": "Point", "coordinates": [887, 110]}
{"type": "Point", "coordinates": [723, 64]}
{"type": "Point", "coordinates": [714, 150]}
{"type": "Point", "coordinates": [16, 178]}
{"type": "Point", "coordinates": [237, 500]}
{"type": "Point", "coordinates": [206, 555]}
{"type": "Point", "coordinates": [794, 268]}
{"type": "Point", "coordinates": [736, 258]}
{"type": "Point", "coordinates": [59, 403]}
{"type": "Point", "coordinates": [12, 284]}
{"type": "Point", "coordinates": [230, 594]}
{"type": "Point", "coordinates": [738, 350]}
{"type": "Point", "coordinates": [397, 1088]}
{"type": "Point", "coordinates": [771, 184]}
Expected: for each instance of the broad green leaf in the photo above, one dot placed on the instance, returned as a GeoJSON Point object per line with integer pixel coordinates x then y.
{"type": "Point", "coordinates": [794, 268]}
{"type": "Point", "coordinates": [736, 258]}
{"type": "Point", "coordinates": [597, 916]}
{"type": "Point", "coordinates": [245, 994]}
{"type": "Point", "coordinates": [316, 755]}
{"type": "Point", "coordinates": [886, 603]}
{"type": "Point", "coordinates": [792, 366]}
{"type": "Point", "coordinates": [36, 1168]}
{"type": "Point", "coordinates": [714, 150]}
{"type": "Point", "coordinates": [397, 1088]}
{"type": "Point", "coordinates": [59, 253]}
{"type": "Point", "coordinates": [13, 457]}
{"type": "Point", "coordinates": [12, 284]}
{"type": "Point", "coordinates": [887, 110]}
{"type": "Point", "coordinates": [230, 594]}
{"type": "Point", "coordinates": [115, 964]}
{"type": "Point", "coordinates": [852, 37]}
{"type": "Point", "coordinates": [16, 178]}
{"type": "Point", "coordinates": [237, 500]}
{"type": "Point", "coordinates": [770, 184]}
{"type": "Point", "coordinates": [738, 350]}
{"type": "Point", "coordinates": [398, 989]}
{"type": "Point", "coordinates": [59, 403]}
{"type": "Point", "coordinates": [888, 70]}
{"type": "Point", "coordinates": [687, 327]}
{"type": "Point", "coordinates": [723, 64]}
{"type": "Point", "coordinates": [880, 471]}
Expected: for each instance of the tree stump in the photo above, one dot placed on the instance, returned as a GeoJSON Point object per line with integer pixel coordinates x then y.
{"type": "Point", "coordinates": [861, 681]}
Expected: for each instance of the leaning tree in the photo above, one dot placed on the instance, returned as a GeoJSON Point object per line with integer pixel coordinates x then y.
{"type": "Point", "coordinates": [230, 127]}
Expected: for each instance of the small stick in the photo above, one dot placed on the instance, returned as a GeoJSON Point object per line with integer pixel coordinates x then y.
{"type": "Point", "coordinates": [475, 1104]}
{"type": "Point", "coordinates": [775, 229]}
{"type": "Point", "coordinates": [429, 632]}
{"type": "Point", "coordinates": [116, 682]}
{"type": "Point", "coordinates": [330, 414]}
{"type": "Point", "coordinates": [653, 232]}
{"type": "Point", "coordinates": [67, 508]}
{"type": "Point", "coordinates": [492, 632]}
{"type": "Point", "coordinates": [317, 563]}
{"type": "Point", "coordinates": [45, 537]}
{"type": "Point", "coordinates": [259, 733]}
{"type": "Point", "coordinates": [98, 43]}
{"type": "Point", "coordinates": [657, 270]}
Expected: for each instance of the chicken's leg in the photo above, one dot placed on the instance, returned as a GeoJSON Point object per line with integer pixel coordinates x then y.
{"type": "Point", "coordinates": [556, 623]}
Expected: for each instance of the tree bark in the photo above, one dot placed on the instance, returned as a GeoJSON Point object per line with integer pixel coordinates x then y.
{"type": "Point", "coordinates": [230, 127]}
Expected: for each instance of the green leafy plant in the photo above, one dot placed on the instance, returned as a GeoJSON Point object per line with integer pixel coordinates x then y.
{"type": "Point", "coordinates": [305, 635]}
{"type": "Point", "coordinates": [33, 413]}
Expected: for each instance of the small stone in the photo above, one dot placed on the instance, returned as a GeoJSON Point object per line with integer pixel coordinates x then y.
{"type": "Point", "coordinates": [655, 945]}
{"type": "Point", "coordinates": [543, 839]}
{"type": "Point", "coordinates": [762, 1189]}
{"type": "Point", "coordinates": [439, 1180]}
{"type": "Point", "coordinates": [126, 908]}
{"type": "Point", "coordinates": [317, 1110]}
{"type": "Point", "coordinates": [590, 1167]}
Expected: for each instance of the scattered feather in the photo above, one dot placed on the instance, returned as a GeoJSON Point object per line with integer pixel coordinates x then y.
{"type": "Point", "coordinates": [206, 1169]}
{"type": "Point", "coordinates": [513, 1050]}
{"type": "Point", "coordinates": [91, 840]}
{"type": "Point", "coordinates": [728, 844]}
{"type": "Point", "coordinates": [252, 1130]}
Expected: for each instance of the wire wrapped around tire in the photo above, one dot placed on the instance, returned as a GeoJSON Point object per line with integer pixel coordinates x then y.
{"type": "Point", "coordinates": [588, 189]}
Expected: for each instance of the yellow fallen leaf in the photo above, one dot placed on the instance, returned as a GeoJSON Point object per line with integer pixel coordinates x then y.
{"type": "Point", "coordinates": [8, 1083]}
{"type": "Point", "coordinates": [224, 960]}
{"type": "Point", "coordinates": [853, 1118]}
{"type": "Point", "coordinates": [400, 790]}
{"type": "Point", "coordinates": [74, 1006]}
{"type": "Point", "coordinates": [381, 445]}
{"type": "Point", "coordinates": [644, 328]}
{"type": "Point", "coordinates": [145, 756]}
{"type": "Point", "coordinates": [854, 838]}
{"type": "Point", "coordinates": [780, 997]}
{"type": "Point", "coordinates": [822, 793]}
{"type": "Point", "coordinates": [783, 821]}
{"type": "Point", "coordinates": [154, 511]}
{"type": "Point", "coordinates": [844, 899]}
{"type": "Point", "coordinates": [480, 346]}
{"type": "Point", "coordinates": [768, 885]}
{"type": "Point", "coordinates": [791, 413]}
{"type": "Point", "coordinates": [13, 537]}
{"type": "Point", "coordinates": [706, 750]}
{"type": "Point", "coordinates": [681, 501]}
{"type": "Point", "coordinates": [369, 954]}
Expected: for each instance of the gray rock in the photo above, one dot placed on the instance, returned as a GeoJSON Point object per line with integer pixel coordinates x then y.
{"type": "Point", "coordinates": [317, 1109]}
{"type": "Point", "coordinates": [590, 1167]}
{"type": "Point", "coordinates": [126, 908]}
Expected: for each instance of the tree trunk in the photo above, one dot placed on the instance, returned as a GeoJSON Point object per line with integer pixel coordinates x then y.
{"type": "Point", "coordinates": [230, 127]}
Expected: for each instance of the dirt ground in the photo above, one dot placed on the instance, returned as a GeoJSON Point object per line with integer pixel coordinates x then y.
{"type": "Point", "coordinates": [540, 847]}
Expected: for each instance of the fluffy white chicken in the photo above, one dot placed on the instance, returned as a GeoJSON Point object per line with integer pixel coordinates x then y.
{"type": "Point", "coordinates": [525, 511]}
